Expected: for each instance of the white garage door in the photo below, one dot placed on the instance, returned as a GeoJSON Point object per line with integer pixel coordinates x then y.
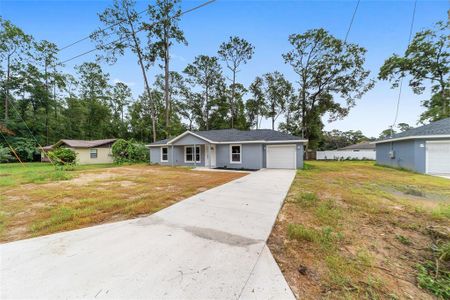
{"type": "Point", "coordinates": [281, 157]}
{"type": "Point", "coordinates": [438, 157]}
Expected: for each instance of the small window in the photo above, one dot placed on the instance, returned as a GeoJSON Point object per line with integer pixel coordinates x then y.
{"type": "Point", "coordinates": [235, 154]}
{"type": "Point", "coordinates": [189, 154]}
{"type": "Point", "coordinates": [93, 153]}
{"type": "Point", "coordinates": [164, 154]}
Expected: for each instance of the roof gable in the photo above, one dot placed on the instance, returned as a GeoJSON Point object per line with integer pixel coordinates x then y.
{"type": "Point", "coordinates": [84, 143]}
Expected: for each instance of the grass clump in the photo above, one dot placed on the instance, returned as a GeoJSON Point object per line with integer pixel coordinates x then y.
{"type": "Point", "coordinates": [403, 239]}
{"type": "Point", "coordinates": [325, 237]}
{"type": "Point", "coordinates": [434, 275]}
{"type": "Point", "coordinates": [306, 199]}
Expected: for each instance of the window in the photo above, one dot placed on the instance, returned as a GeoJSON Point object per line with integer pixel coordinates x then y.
{"type": "Point", "coordinates": [93, 153]}
{"type": "Point", "coordinates": [235, 154]}
{"type": "Point", "coordinates": [189, 154]}
{"type": "Point", "coordinates": [164, 154]}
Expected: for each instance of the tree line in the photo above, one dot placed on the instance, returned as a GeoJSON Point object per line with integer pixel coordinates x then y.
{"type": "Point", "coordinates": [39, 103]}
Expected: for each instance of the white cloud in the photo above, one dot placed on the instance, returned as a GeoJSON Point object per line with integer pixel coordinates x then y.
{"type": "Point", "coordinates": [130, 84]}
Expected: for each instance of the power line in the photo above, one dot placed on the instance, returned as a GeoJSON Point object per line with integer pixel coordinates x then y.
{"type": "Point", "coordinates": [35, 139]}
{"type": "Point", "coordinates": [351, 21]}
{"type": "Point", "coordinates": [154, 23]}
{"type": "Point", "coordinates": [97, 31]}
{"type": "Point", "coordinates": [401, 79]}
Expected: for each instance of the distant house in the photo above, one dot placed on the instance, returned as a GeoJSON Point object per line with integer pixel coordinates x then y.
{"type": "Point", "coordinates": [425, 149]}
{"type": "Point", "coordinates": [231, 148]}
{"type": "Point", "coordinates": [88, 152]}
{"type": "Point", "coordinates": [360, 151]}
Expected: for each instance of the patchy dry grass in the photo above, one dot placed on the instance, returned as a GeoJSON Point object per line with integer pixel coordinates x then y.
{"type": "Point", "coordinates": [351, 230]}
{"type": "Point", "coordinates": [92, 195]}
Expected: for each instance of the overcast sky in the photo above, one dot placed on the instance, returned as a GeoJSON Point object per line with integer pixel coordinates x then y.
{"type": "Point", "coordinates": [382, 27]}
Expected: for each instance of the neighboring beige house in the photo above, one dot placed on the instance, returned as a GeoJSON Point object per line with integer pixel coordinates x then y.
{"type": "Point", "coordinates": [88, 152]}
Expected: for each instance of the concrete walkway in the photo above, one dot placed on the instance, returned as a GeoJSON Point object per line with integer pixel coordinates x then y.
{"type": "Point", "coordinates": [211, 245]}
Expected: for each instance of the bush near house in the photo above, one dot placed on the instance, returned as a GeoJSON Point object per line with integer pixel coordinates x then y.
{"type": "Point", "coordinates": [129, 152]}
{"type": "Point", "coordinates": [63, 157]}
{"type": "Point", "coordinates": [5, 155]}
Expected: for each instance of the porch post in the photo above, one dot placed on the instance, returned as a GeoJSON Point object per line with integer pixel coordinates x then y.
{"type": "Point", "coordinates": [172, 156]}
{"type": "Point", "coordinates": [195, 155]}
{"type": "Point", "coordinates": [209, 155]}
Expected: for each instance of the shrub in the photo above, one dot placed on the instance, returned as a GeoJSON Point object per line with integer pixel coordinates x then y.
{"type": "Point", "coordinates": [25, 148]}
{"type": "Point", "coordinates": [63, 156]}
{"type": "Point", "coordinates": [5, 155]}
{"type": "Point", "coordinates": [129, 152]}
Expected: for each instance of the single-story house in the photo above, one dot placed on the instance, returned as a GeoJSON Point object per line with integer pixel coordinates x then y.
{"type": "Point", "coordinates": [88, 152]}
{"type": "Point", "coordinates": [425, 149]}
{"type": "Point", "coordinates": [230, 148]}
{"type": "Point", "coordinates": [360, 151]}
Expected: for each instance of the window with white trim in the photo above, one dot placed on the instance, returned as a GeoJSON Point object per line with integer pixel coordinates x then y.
{"type": "Point", "coordinates": [164, 154]}
{"type": "Point", "coordinates": [235, 154]}
{"type": "Point", "coordinates": [189, 154]}
{"type": "Point", "coordinates": [93, 153]}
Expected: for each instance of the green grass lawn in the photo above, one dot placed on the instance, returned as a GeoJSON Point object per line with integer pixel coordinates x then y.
{"type": "Point", "coordinates": [14, 174]}
{"type": "Point", "coordinates": [352, 230]}
{"type": "Point", "coordinates": [37, 199]}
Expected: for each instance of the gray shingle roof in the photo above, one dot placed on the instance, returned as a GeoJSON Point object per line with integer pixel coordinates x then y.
{"type": "Point", "coordinates": [361, 146]}
{"type": "Point", "coordinates": [231, 135]}
{"type": "Point", "coordinates": [441, 127]}
{"type": "Point", "coordinates": [235, 135]}
{"type": "Point", "coordinates": [85, 143]}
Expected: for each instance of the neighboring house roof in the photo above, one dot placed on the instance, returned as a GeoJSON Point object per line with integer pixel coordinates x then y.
{"type": "Point", "coordinates": [360, 146]}
{"type": "Point", "coordinates": [81, 143]}
{"type": "Point", "coordinates": [235, 135]}
{"type": "Point", "coordinates": [438, 129]}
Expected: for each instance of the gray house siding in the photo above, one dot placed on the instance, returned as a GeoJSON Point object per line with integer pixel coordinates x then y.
{"type": "Point", "coordinates": [409, 154]}
{"type": "Point", "coordinates": [177, 157]}
{"type": "Point", "coordinates": [190, 140]}
{"type": "Point", "coordinates": [251, 156]}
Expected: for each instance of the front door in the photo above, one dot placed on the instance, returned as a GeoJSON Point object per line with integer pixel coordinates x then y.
{"type": "Point", "coordinates": [212, 153]}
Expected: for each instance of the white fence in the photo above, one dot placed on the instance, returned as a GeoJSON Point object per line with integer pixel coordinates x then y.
{"type": "Point", "coordinates": [346, 154]}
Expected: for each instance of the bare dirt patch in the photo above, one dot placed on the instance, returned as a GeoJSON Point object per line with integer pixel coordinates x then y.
{"type": "Point", "coordinates": [98, 196]}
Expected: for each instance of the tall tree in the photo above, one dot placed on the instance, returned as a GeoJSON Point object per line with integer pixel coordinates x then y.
{"type": "Point", "coordinates": [234, 53]}
{"type": "Point", "coordinates": [427, 59]}
{"type": "Point", "coordinates": [94, 90]}
{"type": "Point", "coordinates": [121, 97]}
{"type": "Point", "coordinates": [204, 73]}
{"type": "Point", "coordinates": [124, 23]}
{"type": "Point", "coordinates": [257, 104]}
{"type": "Point", "coordinates": [327, 68]}
{"type": "Point", "coordinates": [162, 33]}
{"type": "Point", "coordinates": [14, 47]}
{"type": "Point", "coordinates": [275, 90]}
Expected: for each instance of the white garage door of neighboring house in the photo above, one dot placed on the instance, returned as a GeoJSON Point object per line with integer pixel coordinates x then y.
{"type": "Point", "coordinates": [281, 157]}
{"type": "Point", "coordinates": [438, 157]}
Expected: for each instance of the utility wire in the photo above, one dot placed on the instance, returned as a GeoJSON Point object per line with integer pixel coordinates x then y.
{"type": "Point", "coordinates": [97, 31]}
{"type": "Point", "coordinates": [351, 21]}
{"type": "Point", "coordinates": [12, 150]}
{"type": "Point", "coordinates": [401, 79]}
{"type": "Point", "coordinates": [35, 139]}
{"type": "Point", "coordinates": [154, 23]}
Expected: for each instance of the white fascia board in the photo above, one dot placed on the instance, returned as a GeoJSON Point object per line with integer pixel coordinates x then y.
{"type": "Point", "coordinates": [414, 137]}
{"type": "Point", "coordinates": [186, 133]}
{"type": "Point", "coordinates": [264, 142]}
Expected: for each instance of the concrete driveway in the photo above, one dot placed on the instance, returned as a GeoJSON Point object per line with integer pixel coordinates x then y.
{"type": "Point", "coordinates": [211, 245]}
